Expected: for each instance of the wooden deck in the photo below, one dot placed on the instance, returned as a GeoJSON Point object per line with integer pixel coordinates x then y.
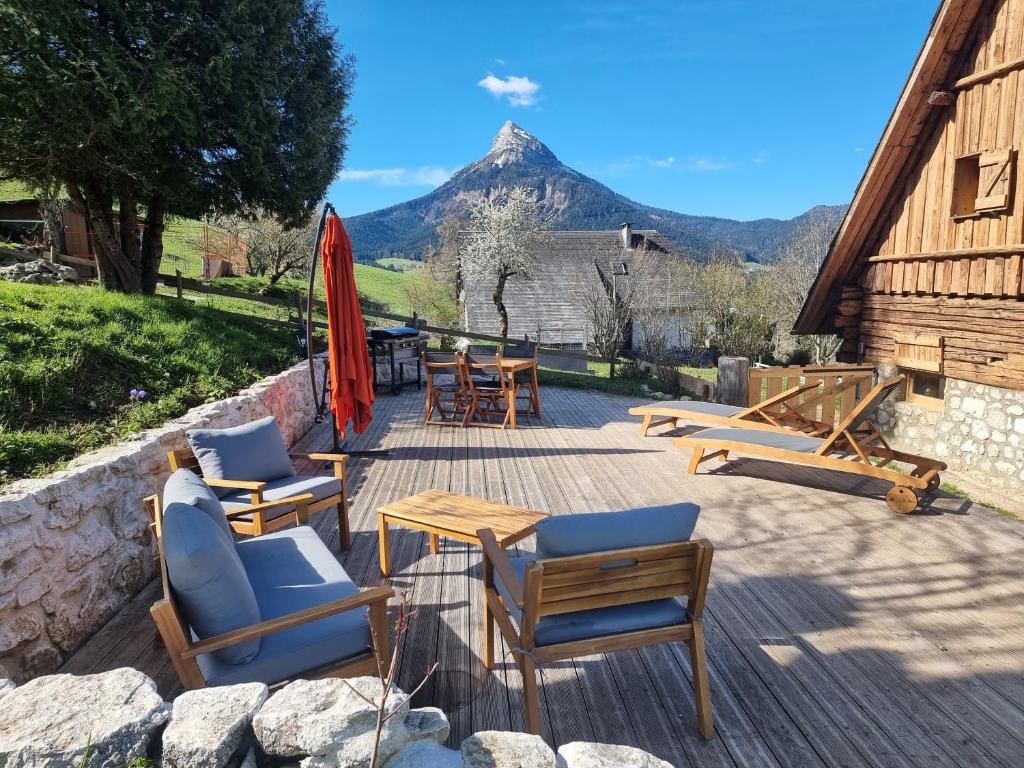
{"type": "Point", "coordinates": [838, 632]}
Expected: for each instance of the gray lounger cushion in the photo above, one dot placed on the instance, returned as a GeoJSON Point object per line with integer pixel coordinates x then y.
{"type": "Point", "coordinates": [596, 622]}
{"type": "Point", "coordinates": [253, 451]}
{"type": "Point", "coordinates": [697, 406]}
{"type": "Point", "coordinates": [567, 535]}
{"type": "Point", "coordinates": [787, 441]}
{"type": "Point", "coordinates": [281, 488]}
{"type": "Point", "coordinates": [291, 570]}
{"type": "Point", "coordinates": [209, 580]}
{"type": "Point", "coordinates": [186, 487]}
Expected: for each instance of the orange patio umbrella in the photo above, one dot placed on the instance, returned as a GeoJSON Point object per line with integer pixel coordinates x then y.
{"type": "Point", "coordinates": [351, 396]}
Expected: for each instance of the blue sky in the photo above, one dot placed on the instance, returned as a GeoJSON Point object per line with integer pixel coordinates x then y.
{"type": "Point", "coordinates": [735, 108]}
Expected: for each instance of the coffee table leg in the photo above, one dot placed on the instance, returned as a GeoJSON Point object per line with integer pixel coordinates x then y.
{"type": "Point", "coordinates": [435, 543]}
{"type": "Point", "coordinates": [385, 555]}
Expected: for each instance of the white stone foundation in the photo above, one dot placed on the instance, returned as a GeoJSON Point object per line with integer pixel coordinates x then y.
{"type": "Point", "coordinates": [76, 545]}
{"type": "Point", "coordinates": [979, 433]}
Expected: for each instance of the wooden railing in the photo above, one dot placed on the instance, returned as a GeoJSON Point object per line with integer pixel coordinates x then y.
{"type": "Point", "coordinates": [817, 403]}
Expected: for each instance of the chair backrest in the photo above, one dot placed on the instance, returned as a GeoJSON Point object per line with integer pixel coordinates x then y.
{"type": "Point", "coordinates": [864, 410]}
{"type": "Point", "coordinates": [184, 458]}
{"type": "Point", "coordinates": [443, 364]}
{"type": "Point", "coordinates": [619, 577]}
{"type": "Point", "coordinates": [526, 350]}
{"type": "Point", "coordinates": [486, 364]}
{"type": "Point", "coordinates": [482, 350]}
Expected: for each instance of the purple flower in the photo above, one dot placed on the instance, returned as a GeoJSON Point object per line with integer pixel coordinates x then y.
{"type": "Point", "coordinates": [133, 393]}
{"type": "Point", "coordinates": [142, 394]}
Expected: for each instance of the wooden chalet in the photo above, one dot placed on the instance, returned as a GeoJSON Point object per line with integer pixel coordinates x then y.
{"type": "Point", "coordinates": [925, 273]}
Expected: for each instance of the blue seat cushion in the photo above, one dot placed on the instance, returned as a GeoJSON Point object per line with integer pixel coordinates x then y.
{"type": "Point", "coordinates": [209, 580]}
{"type": "Point", "coordinates": [186, 487]}
{"type": "Point", "coordinates": [568, 535]}
{"type": "Point", "coordinates": [253, 451]}
{"type": "Point", "coordinates": [292, 570]}
{"type": "Point", "coordinates": [786, 441]}
{"type": "Point", "coordinates": [596, 622]}
{"type": "Point", "coordinates": [282, 488]}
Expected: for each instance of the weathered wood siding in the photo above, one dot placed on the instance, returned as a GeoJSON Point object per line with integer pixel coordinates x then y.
{"type": "Point", "coordinates": [926, 271]}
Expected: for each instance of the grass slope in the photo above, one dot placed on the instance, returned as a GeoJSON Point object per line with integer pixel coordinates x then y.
{"type": "Point", "coordinates": [385, 287]}
{"type": "Point", "coordinates": [69, 356]}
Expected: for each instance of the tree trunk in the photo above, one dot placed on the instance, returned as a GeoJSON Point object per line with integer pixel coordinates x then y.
{"type": "Point", "coordinates": [499, 292]}
{"type": "Point", "coordinates": [116, 270]}
{"type": "Point", "coordinates": [152, 244]}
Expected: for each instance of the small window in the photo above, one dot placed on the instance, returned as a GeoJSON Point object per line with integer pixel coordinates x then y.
{"type": "Point", "coordinates": [926, 389]}
{"type": "Point", "coordinates": [981, 183]}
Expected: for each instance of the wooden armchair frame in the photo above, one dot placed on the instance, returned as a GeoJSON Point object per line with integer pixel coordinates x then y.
{"type": "Point", "coordinates": [856, 445]}
{"type": "Point", "coordinates": [481, 396]}
{"type": "Point", "coordinates": [582, 582]}
{"type": "Point", "coordinates": [435, 395]}
{"type": "Point", "coordinates": [177, 638]}
{"type": "Point", "coordinates": [184, 458]}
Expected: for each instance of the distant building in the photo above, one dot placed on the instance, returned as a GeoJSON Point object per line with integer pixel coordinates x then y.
{"type": "Point", "coordinates": [547, 306]}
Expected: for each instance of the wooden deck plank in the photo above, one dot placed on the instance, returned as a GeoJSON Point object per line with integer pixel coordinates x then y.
{"type": "Point", "coordinates": [838, 633]}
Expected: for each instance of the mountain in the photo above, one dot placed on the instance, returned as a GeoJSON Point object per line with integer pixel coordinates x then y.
{"type": "Point", "coordinates": [571, 199]}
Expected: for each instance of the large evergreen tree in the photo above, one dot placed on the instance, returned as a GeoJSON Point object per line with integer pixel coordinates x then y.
{"type": "Point", "coordinates": [159, 107]}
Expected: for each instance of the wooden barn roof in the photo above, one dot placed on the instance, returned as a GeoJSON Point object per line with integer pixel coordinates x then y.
{"type": "Point", "coordinates": [912, 117]}
{"type": "Point", "coordinates": [549, 299]}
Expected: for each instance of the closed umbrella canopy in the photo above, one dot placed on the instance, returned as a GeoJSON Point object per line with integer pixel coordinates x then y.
{"type": "Point", "coordinates": [351, 376]}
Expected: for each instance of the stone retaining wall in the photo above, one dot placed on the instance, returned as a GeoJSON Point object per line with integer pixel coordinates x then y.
{"type": "Point", "coordinates": [979, 433]}
{"type": "Point", "coordinates": [76, 545]}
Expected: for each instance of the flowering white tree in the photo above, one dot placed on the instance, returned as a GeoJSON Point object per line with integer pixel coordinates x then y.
{"type": "Point", "coordinates": [505, 230]}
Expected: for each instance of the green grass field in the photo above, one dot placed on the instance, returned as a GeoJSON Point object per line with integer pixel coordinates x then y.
{"type": "Point", "coordinates": [385, 287]}
{"type": "Point", "coordinates": [402, 265]}
{"type": "Point", "coordinates": [69, 356]}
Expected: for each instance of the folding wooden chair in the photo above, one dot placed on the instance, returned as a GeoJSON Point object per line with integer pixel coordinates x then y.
{"type": "Point", "coordinates": [452, 391]}
{"type": "Point", "coordinates": [490, 391]}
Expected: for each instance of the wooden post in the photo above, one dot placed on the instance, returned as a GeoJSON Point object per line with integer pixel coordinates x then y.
{"type": "Point", "coordinates": [733, 375]}
{"type": "Point", "coordinates": [177, 275]}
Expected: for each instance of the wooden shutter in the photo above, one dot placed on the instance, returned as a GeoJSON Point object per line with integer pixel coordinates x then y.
{"type": "Point", "coordinates": [919, 352]}
{"type": "Point", "coordinates": [994, 171]}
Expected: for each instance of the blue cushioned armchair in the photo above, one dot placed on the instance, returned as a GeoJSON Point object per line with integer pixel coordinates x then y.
{"type": "Point", "coordinates": [267, 609]}
{"type": "Point", "coordinates": [610, 594]}
{"type": "Point", "coordinates": [249, 466]}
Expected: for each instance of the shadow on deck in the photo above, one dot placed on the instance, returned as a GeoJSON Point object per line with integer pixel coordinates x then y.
{"type": "Point", "coordinates": [838, 633]}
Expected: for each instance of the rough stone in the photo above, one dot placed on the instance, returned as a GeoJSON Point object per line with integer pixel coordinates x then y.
{"type": "Point", "coordinates": [427, 754]}
{"type": "Point", "coordinates": [50, 722]}
{"type": "Point", "coordinates": [505, 749]}
{"type": "Point", "coordinates": [20, 628]}
{"type": "Point", "coordinates": [208, 725]}
{"type": "Point", "coordinates": [6, 686]}
{"type": "Point", "coordinates": [427, 723]}
{"type": "Point", "coordinates": [330, 723]}
{"type": "Point", "coordinates": [580, 754]}
{"type": "Point", "coordinates": [973, 406]}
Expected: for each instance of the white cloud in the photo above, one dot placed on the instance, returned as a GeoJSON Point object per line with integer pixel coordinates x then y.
{"type": "Point", "coordinates": [520, 91]}
{"type": "Point", "coordinates": [666, 162]}
{"type": "Point", "coordinates": [761, 157]}
{"type": "Point", "coordinates": [709, 164]}
{"type": "Point", "coordinates": [424, 176]}
{"type": "Point", "coordinates": [858, 149]}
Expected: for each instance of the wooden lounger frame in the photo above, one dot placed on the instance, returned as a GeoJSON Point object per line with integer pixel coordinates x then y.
{"type": "Point", "coordinates": [777, 412]}
{"type": "Point", "coordinates": [177, 639]}
{"type": "Point", "coordinates": [865, 452]}
{"type": "Point", "coordinates": [600, 580]}
{"type": "Point", "coordinates": [184, 458]}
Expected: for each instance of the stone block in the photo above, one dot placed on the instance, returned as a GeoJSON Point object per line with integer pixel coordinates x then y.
{"type": "Point", "coordinates": [974, 406]}
{"type": "Point", "coordinates": [207, 726]}
{"type": "Point", "coordinates": [505, 749]}
{"type": "Point", "coordinates": [579, 754]}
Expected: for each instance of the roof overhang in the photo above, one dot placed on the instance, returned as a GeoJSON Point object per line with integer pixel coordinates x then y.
{"type": "Point", "coordinates": [910, 118]}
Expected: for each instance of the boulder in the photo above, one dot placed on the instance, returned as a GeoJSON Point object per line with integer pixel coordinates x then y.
{"type": "Point", "coordinates": [426, 754]}
{"type": "Point", "coordinates": [208, 725]}
{"type": "Point", "coordinates": [331, 723]}
{"type": "Point", "coordinates": [505, 749]}
{"type": "Point", "coordinates": [6, 686]}
{"type": "Point", "coordinates": [580, 754]}
{"type": "Point", "coordinates": [51, 722]}
{"type": "Point", "coordinates": [427, 723]}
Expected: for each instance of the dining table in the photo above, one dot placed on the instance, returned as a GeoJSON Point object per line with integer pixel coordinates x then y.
{"type": "Point", "coordinates": [510, 366]}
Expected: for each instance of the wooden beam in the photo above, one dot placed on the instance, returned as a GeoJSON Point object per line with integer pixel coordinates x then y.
{"type": "Point", "coordinates": [957, 253]}
{"type": "Point", "coordinates": [987, 74]}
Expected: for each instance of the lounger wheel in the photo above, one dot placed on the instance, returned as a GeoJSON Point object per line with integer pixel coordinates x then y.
{"type": "Point", "coordinates": [933, 483]}
{"type": "Point", "coordinates": [901, 499]}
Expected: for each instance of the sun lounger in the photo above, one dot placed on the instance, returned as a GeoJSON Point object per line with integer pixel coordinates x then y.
{"type": "Point", "coordinates": [768, 414]}
{"type": "Point", "coordinates": [855, 446]}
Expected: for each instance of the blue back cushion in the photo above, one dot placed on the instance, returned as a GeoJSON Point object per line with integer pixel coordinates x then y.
{"type": "Point", "coordinates": [568, 535]}
{"type": "Point", "coordinates": [186, 487]}
{"type": "Point", "coordinates": [253, 451]}
{"type": "Point", "coordinates": [208, 579]}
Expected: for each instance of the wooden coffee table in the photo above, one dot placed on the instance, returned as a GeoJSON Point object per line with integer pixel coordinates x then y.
{"type": "Point", "coordinates": [458, 517]}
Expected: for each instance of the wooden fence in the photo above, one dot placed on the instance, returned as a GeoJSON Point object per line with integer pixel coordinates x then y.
{"type": "Point", "coordinates": [815, 404]}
